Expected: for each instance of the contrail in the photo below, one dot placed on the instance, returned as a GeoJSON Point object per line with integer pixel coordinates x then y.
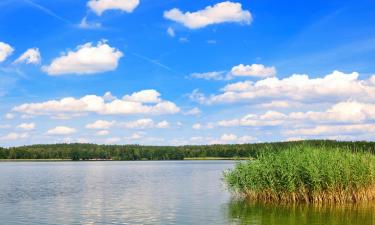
{"type": "Point", "coordinates": [47, 11]}
{"type": "Point", "coordinates": [152, 61]}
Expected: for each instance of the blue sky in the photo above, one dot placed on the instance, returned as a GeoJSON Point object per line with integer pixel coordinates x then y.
{"type": "Point", "coordinates": [180, 72]}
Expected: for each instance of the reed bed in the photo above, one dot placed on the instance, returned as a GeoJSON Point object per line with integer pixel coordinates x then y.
{"type": "Point", "coordinates": [306, 174]}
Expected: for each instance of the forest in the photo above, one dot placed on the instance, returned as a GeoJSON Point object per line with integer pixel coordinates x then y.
{"type": "Point", "coordinates": [78, 151]}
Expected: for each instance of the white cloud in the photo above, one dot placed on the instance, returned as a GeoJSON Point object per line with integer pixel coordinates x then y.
{"type": "Point", "coordinates": [255, 70]}
{"type": "Point", "coordinates": [99, 6]}
{"type": "Point", "coordinates": [145, 96]}
{"type": "Point", "coordinates": [300, 88]}
{"type": "Point", "coordinates": [345, 112]}
{"type": "Point", "coordinates": [108, 96]}
{"type": "Point", "coordinates": [31, 56]}
{"type": "Point", "coordinates": [198, 126]}
{"type": "Point", "coordinates": [61, 130]}
{"type": "Point", "coordinates": [27, 126]}
{"type": "Point", "coordinates": [14, 136]}
{"type": "Point", "coordinates": [9, 116]}
{"type": "Point", "coordinates": [194, 111]}
{"type": "Point", "coordinates": [162, 124]}
{"type": "Point", "coordinates": [87, 59]}
{"type": "Point", "coordinates": [146, 123]}
{"type": "Point", "coordinates": [5, 51]}
{"type": "Point", "coordinates": [333, 130]}
{"type": "Point", "coordinates": [219, 13]}
{"type": "Point", "coordinates": [102, 133]}
{"type": "Point", "coordinates": [84, 24]}
{"type": "Point", "coordinates": [280, 104]}
{"type": "Point", "coordinates": [100, 124]}
{"type": "Point", "coordinates": [96, 104]}
{"type": "Point", "coordinates": [232, 139]}
{"type": "Point", "coordinates": [171, 32]}
{"type": "Point", "coordinates": [214, 75]}
{"type": "Point", "coordinates": [135, 136]}
{"type": "Point", "coordinates": [270, 118]}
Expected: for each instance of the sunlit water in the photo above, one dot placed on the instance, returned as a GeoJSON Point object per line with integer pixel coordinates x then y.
{"type": "Point", "coordinates": [164, 192]}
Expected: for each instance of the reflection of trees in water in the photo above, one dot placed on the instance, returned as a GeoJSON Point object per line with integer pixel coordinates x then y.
{"type": "Point", "coordinates": [242, 212]}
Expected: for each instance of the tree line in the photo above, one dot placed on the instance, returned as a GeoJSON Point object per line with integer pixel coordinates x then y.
{"type": "Point", "coordinates": [80, 151]}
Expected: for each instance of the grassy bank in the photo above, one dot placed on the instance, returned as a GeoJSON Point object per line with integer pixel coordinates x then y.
{"type": "Point", "coordinates": [306, 174]}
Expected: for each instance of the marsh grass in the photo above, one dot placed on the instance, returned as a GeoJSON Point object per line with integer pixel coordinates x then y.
{"type": "Point", "coordinates": [306, 174]}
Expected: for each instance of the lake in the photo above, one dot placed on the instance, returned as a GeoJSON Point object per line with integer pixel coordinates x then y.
{"type": "Point", "coordinates": [144, 192]}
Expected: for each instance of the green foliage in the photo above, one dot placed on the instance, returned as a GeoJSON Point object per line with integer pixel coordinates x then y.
{"type": "Point", "coordinates": [306, 173]}
{"type": "Point", "coordinates": [137, 152]}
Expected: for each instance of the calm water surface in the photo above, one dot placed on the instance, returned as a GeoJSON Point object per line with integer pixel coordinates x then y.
{"type": "Point", "coordinates": [163, 192]}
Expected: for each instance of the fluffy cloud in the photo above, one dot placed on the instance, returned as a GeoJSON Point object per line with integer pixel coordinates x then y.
{"type": "Point", "coordinates": [5, 51]}
{"type": "Point", "coordinates": [219, 13]}
{"type": "Point", "coordinates": [300, 88]}
{"type": "Point", "coordinates": [255, 70]}
{"type": "Point", "coordinates": [14, 136]}
{"type": "Point", "coordinates": [233, 139]}
{"type": "Point", "coordinates": [348, 112]}
{"type": "Point", "coordinates": [343, 112]}
{"type": "Point", "coordinates": [87, 59]}
{"type": "Point", "coordinates": [135, 104]}
{"type": "Point", "coordinates": [102, 133]}
{"type": "Point", "coordinates": [270, 118]}
{"type": "Point", "coordinates": [99, 6]}
{"type": "Point", "coordinates": [61, 130]}
{"type": "Point", "coordinates": [145, 96]}
{"type": "Point", "coordinates": [146, 123]}
{"type": "Point", "coordinates": [31, 56]}
{"type": "Point", "coordinates": [27, 126]}
{"type": "Point", "coordinates": [323, 130]}
{"type": "Point", "coordinates": [100, 124]}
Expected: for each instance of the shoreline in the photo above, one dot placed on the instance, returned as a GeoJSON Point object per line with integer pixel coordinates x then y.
{"type": "Point", "coordinates": [106, 160]}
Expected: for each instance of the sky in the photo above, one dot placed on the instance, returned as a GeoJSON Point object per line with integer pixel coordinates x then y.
{"type": "Point", "coordinates": [178, 72]}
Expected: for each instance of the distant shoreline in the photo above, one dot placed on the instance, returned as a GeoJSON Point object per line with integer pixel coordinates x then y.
{"type": "Point", "coordinates": [106, 160]}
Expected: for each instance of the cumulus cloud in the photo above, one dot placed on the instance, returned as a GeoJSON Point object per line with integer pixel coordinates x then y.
{"type": "Point", "coordinates": [87, 59]}
{"type": "Point", "coordinates": [145, 96]}
{"type": "Point", "coordinates": [99, 6]}
{"type": "Point", "coordinates": [14, 136]}
{"type": "Point", "coordinates": [5, 51]}
{"type": "Point", "coordinates": [134, 104]}
{"type": "Point", "coordinates": [146, 123]}
{"type": "Point", "coordinates": [233, 139]}
{"type": "Point", "coordinates": [61, 130]}
{"type": "Point", "coordinates": [300, 88]}
{"type": "Point", "coordinates": [255, 70]}
{"type": "Point", "coordinates": [323, 130]}
{"type": "Point", "coordinates": [219, 13]}
{"type": "Point", "coordinates": [270, 118]}
{"type": "Point", "coordinates": [100, 124]}
{"type": "Point", "coordinates": [27, 126]}
{"type": "Point", "coordinates": [102, 133]}
{"type": "Point", "coordinates": [348, 112]}
{"type": "Point", "coordinates": [280, 104]}
{"type": "Point", "coordinates": [31, 56]}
